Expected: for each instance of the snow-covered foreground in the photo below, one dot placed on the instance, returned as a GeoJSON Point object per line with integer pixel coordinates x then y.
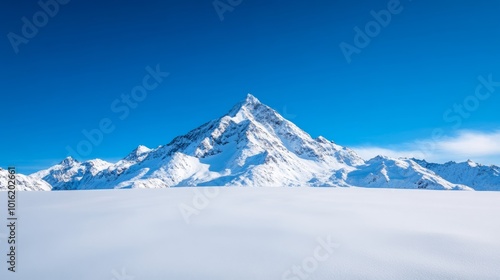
{"type": "Point", "coordinates": [256, 233]}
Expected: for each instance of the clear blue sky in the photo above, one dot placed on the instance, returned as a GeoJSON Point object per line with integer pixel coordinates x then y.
{"type": "Point", "coordinates": [286, 53]}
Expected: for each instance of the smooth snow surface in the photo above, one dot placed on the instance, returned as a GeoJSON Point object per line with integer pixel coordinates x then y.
{"type": "Point", "coordinates": [256, 233]}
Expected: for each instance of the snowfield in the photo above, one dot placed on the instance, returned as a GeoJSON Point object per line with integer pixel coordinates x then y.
{"type": "Point", "coordinates": [255, 233]}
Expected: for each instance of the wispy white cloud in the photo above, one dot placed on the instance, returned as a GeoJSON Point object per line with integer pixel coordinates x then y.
{"type": "Point", "coordinates": [472, 143]}
{"type": "Point", "coordinates": [368, 152]}
{"type": "Point", "coordinates": [479, 146]}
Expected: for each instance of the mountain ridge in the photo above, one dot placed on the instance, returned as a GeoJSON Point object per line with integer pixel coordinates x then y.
{"type": "Point", "coordinates": [475, 175]}
{"type": "Point", "coordinates": [251, 145]}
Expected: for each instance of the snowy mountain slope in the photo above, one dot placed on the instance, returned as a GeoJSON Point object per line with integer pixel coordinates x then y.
{"type": "Point", "coordinates": [385, 172]}
{"type": "Point", "coordinates": [477, 176]}
{"type": "Point", "coordinates": [252, 145]}
{"type": "Point", "coordinates": [23, 182]}
{"type": "Point", "coordinates": [70, 173]}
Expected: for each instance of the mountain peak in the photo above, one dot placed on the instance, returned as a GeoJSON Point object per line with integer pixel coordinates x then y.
{"type": "Point", "coordinates": [322, 139]}
{"type": "Point", "coordinates": [471, 163]}
{"type": "Point", "coordinates": [380, 158]}
{"type": "Point", "coordinates": [251, 100]}
{"type": "Point", "coordinates": [253, 145]}
{"type": "Point", "coordinates": [142, 149]}
{"type": "Point", "coordinates": [248, 109]}
{"type": "Point", "coordinates": [138, 153]}
{"type": "Point", "coordinates": [68, 161]}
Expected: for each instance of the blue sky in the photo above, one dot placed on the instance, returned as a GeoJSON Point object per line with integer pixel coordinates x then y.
{"type": "Point", "coordinates": [391, 95]}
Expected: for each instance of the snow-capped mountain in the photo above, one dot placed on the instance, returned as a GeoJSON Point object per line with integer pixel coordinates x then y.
{"type": "Point", "coordinates": [385, 172]}
{"type": "Point", "coordinates": [70, 174]}
{"type": "Point", "coordinates": [23, 182]}
{"type": "Point", "coordinates": [252, 145]}
{"type": "Point", "coordinates": [474, 175]}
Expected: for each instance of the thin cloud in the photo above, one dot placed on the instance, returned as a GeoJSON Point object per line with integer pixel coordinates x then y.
{"type": "Point", "coordinates": [473, 143]}
{"type": "Point", "coordinates": [482, 147]}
